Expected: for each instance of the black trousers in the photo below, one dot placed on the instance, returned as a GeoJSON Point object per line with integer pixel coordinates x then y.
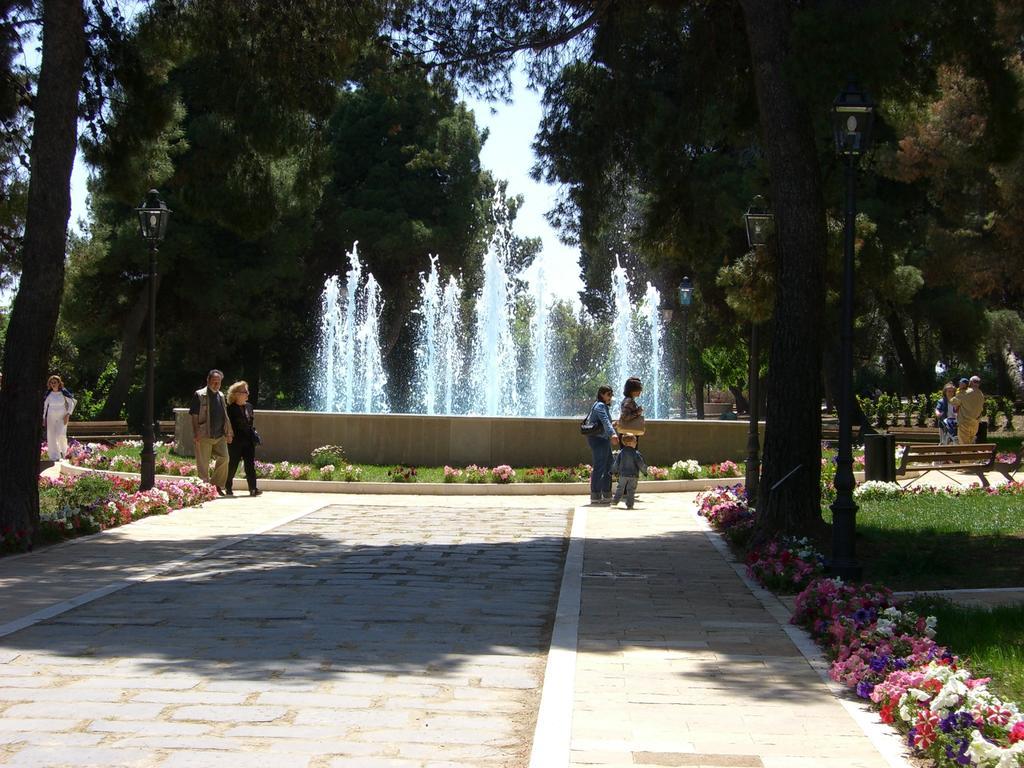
{"type": "Point", "coordinates": [245, 452]}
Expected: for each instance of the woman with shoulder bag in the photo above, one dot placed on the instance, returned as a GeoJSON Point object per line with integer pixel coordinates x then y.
{"type": "Point", "coordinates": [600, 441]}
{"type": "Point", "coordinates": [243, 446]}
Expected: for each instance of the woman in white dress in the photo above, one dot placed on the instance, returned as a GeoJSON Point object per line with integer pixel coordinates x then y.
{"type": "Point", "coordinates": [57, 409]}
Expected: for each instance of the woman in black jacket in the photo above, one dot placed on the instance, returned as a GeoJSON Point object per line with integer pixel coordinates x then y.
{"type": "Point", "coordinates": [243, 446]}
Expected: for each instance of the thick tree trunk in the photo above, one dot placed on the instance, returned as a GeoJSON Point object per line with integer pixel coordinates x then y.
{"type": "Point", "coordinates": [34, 315]}
{"type": "Point", "coordinates": [791, 468]}
{"type": "Point", "coordinates": [698, 392]}
{"type": "Point", "coordinates": [742, 404]}
{"type": "Point", "coordinates": [913, 378]}
{"type": "Point", "coordinates": [130, 335]}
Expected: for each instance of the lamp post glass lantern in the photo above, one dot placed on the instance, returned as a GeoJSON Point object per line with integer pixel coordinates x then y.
{"type": "Point", "coordinates": [759, 222]}
{"type": "Point", "coordinates": [685, 292]}
{"type": "Point", "coordinates": [853, 120]}
{"type": "Point", "coordinates": [153, 217]}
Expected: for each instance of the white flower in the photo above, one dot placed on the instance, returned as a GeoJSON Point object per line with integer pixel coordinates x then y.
{"type": "Point", "coordinates": [989, 755]}
{"type": "Point", "coordinates": [885, 627]}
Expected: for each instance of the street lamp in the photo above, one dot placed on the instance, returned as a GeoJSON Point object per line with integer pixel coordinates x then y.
{"type": "Point", "coordinates": [853, 118]}
{"type": "Point", "coordinates": [759, 222]}
{"type": "Point", "coordinates": [153, 217]}
{"type": "Point", "coordinates": [685, 299]}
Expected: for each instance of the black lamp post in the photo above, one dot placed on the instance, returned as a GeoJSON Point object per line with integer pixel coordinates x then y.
{"type": "Point", "coordinates": [153, 216]}
{"type": "Point", "coordinates": [685, 300]}
{"type": "Point", "coordinates": [759, 223]}
{"type": "Point", "coordinates": [853, 117]}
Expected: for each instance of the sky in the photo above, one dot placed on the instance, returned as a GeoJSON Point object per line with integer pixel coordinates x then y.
{"type": "Point", "coordinates": [507, 154]}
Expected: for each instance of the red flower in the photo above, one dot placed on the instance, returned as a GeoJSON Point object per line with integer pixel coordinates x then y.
{"type": "Point", "coordinates": [886, 713]}
{"type": "Point", "coordinates": [1017, 732]}
{"type": "Point", "coordinates": [924, 735]}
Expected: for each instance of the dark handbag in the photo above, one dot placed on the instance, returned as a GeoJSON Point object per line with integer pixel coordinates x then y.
{"type": "Point", "coordinates": [256, 439]}
{"type": "Point", "coordinates": [587, 427]}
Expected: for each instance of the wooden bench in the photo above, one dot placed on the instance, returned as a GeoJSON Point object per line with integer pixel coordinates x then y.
{"type": "Point", "coordinates": [974, 459]}
{"type": "Point", "coordinates": [906, 435]}
{"type": "Point", "coordinates": [110, 431]}
{"type": "Point", "coordinates": [903, 435]}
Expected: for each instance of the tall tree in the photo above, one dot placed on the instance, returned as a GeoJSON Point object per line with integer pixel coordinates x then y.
{"type": "Point", "coordinates": [34, 314]}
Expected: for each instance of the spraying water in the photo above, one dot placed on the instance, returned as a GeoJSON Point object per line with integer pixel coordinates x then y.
{"type": "Point", "coordinates": [493, 374]}
{"type": "Point", "coordinates": [477, 371]}
{"type": "Point", "coordinates": [650, 312]}
{"type": "Point", "coordinates": [425, 382]}
{"type": "Point", "coordinates": [451, 342]}
{"type": "Point", "coordinates": [540, 335]}
{"type": "Point", "coordinates": [348, 353]}
{"type": "Point", "coordinates": [622, 328]}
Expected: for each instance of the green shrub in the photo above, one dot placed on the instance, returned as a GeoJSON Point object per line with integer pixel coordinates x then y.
{"type": "Point", "coordinates": [328, 454]}
{"type": "Point", "coordinates": [88, 492]}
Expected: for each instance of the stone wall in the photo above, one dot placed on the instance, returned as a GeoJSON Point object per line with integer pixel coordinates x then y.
{"type": "Point", "coordinates": [433, 441]}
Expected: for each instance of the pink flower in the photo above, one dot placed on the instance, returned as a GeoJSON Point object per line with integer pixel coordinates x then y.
{"type": "Point", "coordinates": [1017, 732]}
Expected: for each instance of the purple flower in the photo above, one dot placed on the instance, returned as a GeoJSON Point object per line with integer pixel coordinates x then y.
{"type": "Point", "coordinates": [861, 616]}
{"type": "Point", "coordinates": [878, 663]}
{"type": "Point", "coordinates": [960, 755]}
{"type": "Point", "coordinates": [955, 721]}
{"type": "Point", "coordinates": [900, 664]}
{"type": "Point", "coordinates": [864, 689]}
{"type": "Point", "coordinates": [910, 736]}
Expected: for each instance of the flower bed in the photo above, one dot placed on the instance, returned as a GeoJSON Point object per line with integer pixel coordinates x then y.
{"type": "Point", "coordinates": [887, 655]}
{"type": "Point", "coordinates": [328, 462]}
{"type": "Point", "coordinates": [71, 506]}
{"type": "Point", "coordinates": [884, 652]}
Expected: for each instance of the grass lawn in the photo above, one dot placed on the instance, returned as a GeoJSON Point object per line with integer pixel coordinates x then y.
{"type": "Point", "coordinates": [991, 640]}
{"type": "Point", "coordinates": [371, 472]}
{"type": "Point", "coordinates": [941, 542]}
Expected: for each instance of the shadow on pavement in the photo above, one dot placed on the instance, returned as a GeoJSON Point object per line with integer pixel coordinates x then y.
{"type": "Point", "coordinates": [350, 591]}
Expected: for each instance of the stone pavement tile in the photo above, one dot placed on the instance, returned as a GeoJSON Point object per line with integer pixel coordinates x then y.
{"type": "Point", "coordinates": [105, 757]}
{"type": "Point", "coordinates": [84, 710]}
{"type": "Point", "coordinates": [151, 727]}
{"type": "Point", "coordinates": [469, 753]}
{"type": "Point", "coordinates": [12, 724]}
{"type": "Point", "coordinates": [193, 696]}
{"type": "Point", "coordinates": [248, 759]}
{"type": "Point", "coordinates": [275, 644]}
{"type": "Point", "coordinates": [52, 739]}
{"type": "Point", "coordinates": [682, 663]}
{"type": "Point", "coordinates": [843, 761]}
{"type": "Point", "coordinates": [65, 694]}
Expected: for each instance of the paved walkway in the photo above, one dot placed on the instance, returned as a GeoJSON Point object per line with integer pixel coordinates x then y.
{"type": "Point", "coordinates": [326, 631]}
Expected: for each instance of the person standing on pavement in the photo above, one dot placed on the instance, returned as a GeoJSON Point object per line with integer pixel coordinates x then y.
{"type": "Point", "coordinates": [243, 446]}
{"type": "Point", "coordinates": [628, 465]}
{"type": "Point", "coordinates": [211, 430]}
{"type": "Point", "coordinates": [57, 408]}
{"type": "Point", "coordinates": [970, 407]}
{"type": "Point", "coordinates": [601, 448]}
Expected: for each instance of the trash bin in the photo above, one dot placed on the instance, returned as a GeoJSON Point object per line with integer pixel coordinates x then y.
{"type": "Point", "coordinates": [880, 458]}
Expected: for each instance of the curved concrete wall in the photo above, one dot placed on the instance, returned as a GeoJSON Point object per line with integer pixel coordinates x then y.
{"type": "Point", "coordinates": [433, 441]}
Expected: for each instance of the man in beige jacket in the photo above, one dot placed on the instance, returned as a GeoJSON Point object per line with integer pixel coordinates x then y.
{"type": "Point", "coordinates": [970, 407]}
{"type": "Point", "coordinates": [211, 430]}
